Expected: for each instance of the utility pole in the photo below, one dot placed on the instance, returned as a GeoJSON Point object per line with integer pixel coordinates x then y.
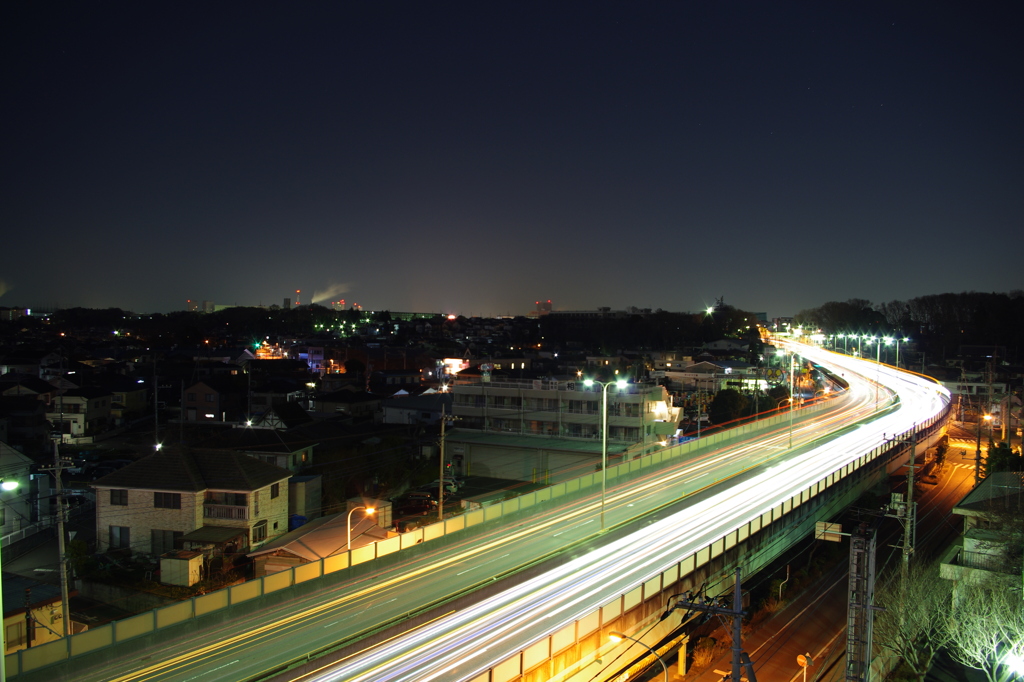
{"type": "Point", "coordinates": [445, 418]}
{"type": "Point", "coordinates": [156, 409]}
{"type": "Point", "coordinates": [56, 469]}
{"type": "Point", "coordinates": [905, 509]}
{"type": "Point", "coordinates": [691, 603]}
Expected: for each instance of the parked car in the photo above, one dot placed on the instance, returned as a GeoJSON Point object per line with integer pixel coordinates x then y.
{"type": "Point", "coordinates": [430, 490]}
{"type": "Point", "coordinates": [450, 484]}
{"type": "Point", "coordinates": [416, 505]}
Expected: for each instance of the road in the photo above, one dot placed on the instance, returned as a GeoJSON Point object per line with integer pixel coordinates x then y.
{"type": "Point", "coordinates": [693, 507]}
{"type": "Point", "coordinates": [815, 621]}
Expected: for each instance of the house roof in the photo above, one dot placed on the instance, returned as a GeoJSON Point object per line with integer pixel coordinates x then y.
{"type": "Point", "coordinates": [25, 385]}
{"type": "Point", "coordinates": [249, 439]}
{"type": "Point", "coordinates": [999, 491]}
{"type": "Point", "coordinates": [289, 414]}
{"type": "Point", "coordinates": [214, 534]}
{"type": "Point", "coordinates": [87, 392]}
{"type": "Point", "coordinates": [190, 471]}
{"type": "Point", "coordinates": [324, 537]}
{"type": "Point", "coordinates": [14, 587]}
{"type": "Point", "coordinates": [346, 396]}
{"type": "Point", "coordinates": [433, 401]}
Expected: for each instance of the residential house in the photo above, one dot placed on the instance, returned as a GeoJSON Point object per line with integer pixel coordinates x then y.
{"type": "Point", "coordinates": [28, 362]}
{"type": "Point", "coordinates": [129, 399]}
{"type": "Point", "coordinates": [416, 409]}
{"type": "Point", "coordinates": [390, 381]}
{"type": "Point", "coordinates": [15, 505]}
{"type": "Point", "coordinates": [215, 502]}
{"type": "Point", "coordinates": [275, 391]}
{"type": "Point", "coordinates": [288, 450]}
{"type": "Point", "coordinates": [285, 416]}
{"type": "Point", "coordinates": [23, 424]}
{"type": "Point", "coordinates": [989, 552]}
{"type": "Point", "coordinates": [214, 399]}
{"type": "Point", "coordinates": [32, 613]}
{"type": "Point", "coordinates": [350, 401]}
{"type": "Point", "coordinates": [81, 412]}
{"type": "Point", "coordinates": [24, 384]}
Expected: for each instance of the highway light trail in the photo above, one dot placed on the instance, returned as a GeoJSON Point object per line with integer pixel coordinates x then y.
{"type": "Point", "coordinates": [481, 636]}
{"type": "Point", "coordinates": [762, 469]}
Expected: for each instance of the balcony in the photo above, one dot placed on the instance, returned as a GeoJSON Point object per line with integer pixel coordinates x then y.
{"type": "Point", "coordinates": [225, 511]}
{"type": "Point", "coordinates": [978, 567]}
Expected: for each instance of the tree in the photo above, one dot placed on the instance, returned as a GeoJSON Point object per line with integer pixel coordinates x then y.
{"type": "Point", "coordinates": [728, 405]}
{"type": "Point", "coordinates": [779, 394]}
{"type": "Point", "coordinates": [911, 625]}
{"type": "Point", "coordinates": [1002, 458]}
{"type": "Point", "coordinates": [986, 626]}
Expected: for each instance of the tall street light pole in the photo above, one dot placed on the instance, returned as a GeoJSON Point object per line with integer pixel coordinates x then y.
{"type": "Point", "coordinates": [6, 486]}
{"type": "Point", "coordinates": [620, 384]}
{"type": "Point", "coordinates": [617, 636]}
{"type": "Point", "coordinates": [878, 362]}
{"type": "Point", "coordinates": [977, 452]}
{"type": "Point", "coordinates": [792, 371]}
{"type": "Point", "coordinates": [369, 510]}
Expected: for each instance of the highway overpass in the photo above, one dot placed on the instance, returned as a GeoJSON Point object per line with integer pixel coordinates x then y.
{"type": "Point", "coordinates": [495, 599]}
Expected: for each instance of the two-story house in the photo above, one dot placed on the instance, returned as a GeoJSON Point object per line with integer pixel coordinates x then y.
{"type": "Point", "coordinates": [81, 412]}
{"type": "Point", "coordinates": [129, 398]}
{"type": "Point", "coordinates": [216, 502]}
{"type": "Point", "coordinates": [215, 399]}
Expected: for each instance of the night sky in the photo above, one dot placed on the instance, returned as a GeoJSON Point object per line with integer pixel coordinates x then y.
{"type": "Point", "coordinates": [473, 158]}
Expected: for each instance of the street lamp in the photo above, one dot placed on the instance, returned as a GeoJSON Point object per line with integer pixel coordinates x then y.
{"type": "Point", "coordinates": [7, 486]}
{"type": "Point", "coordinates": [620, 384]}
{"type": "Point", "coordinates": [878, 362]}
{"type": "Point", "coordinates": [792, 356]}
{"type": "Point", "coordinates": [369, 510]}
{"type": "Point", "coordinates": [897, 340]}
{"type": "Point", "coordinates": [977, 452]}
{"type": "Point", "coordinates": [617, 636]}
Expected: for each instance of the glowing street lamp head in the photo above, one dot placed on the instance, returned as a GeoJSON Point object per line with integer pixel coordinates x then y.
{"type": "Point", "coordinates": [621, 383]}
{"type": "Point", "coordinates": [588, 382]}
{"type": "Point", "coordinates": [8, 485]}
{"type": "Point", "coordinates": [370, 510]}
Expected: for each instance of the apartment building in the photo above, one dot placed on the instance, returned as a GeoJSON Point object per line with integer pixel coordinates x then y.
{"type": "Point", "coordinates": [548, 429]}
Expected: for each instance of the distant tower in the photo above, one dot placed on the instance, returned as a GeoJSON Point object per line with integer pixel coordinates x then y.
{"type": "Point", "coordinates": [543, 308]}
{"type": "Point", "coordinates": [191, 306]}
{"type": "Point", "coordinates": [297, 301]}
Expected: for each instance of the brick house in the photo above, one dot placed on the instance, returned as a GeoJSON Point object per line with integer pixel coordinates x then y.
{"type": "Point", "coordinates": [219, 503]}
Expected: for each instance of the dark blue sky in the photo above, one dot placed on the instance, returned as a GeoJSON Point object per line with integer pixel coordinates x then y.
{"type": "Point", "coordinates": [475, 157]}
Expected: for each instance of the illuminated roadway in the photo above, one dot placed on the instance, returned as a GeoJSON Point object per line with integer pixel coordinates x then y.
{"type": "Point", "coordinates": [461, 642]}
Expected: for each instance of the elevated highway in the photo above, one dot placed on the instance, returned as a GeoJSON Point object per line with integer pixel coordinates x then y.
{"type": "Point", "coordinates": [470, 606]}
